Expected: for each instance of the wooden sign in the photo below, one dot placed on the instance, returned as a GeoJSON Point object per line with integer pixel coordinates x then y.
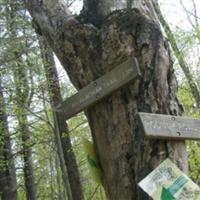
{"type": "Point", "coordinates": [100, 88]}
{"type": "Point", "coordinates": [159, 126]}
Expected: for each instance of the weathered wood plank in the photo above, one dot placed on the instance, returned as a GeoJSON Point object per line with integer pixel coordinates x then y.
{"type": "Point", "coordinates": [169, 127]}
{"type": "Point", "coordinates": [100, 88]}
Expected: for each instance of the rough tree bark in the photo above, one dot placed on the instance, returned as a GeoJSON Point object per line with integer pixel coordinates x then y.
{"type": "Point", "coordinates": [60, 121]}
{"type": "Point", "coordinates": [87, 51]}
{"type": "Point", "coordinates": [8, 182]}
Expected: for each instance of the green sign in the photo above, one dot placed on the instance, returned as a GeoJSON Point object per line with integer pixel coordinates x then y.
{"type": "Point", "coordinates": [90, 153]}
{"type": "Point", "coordinates": [167, 182]}
{"type": "Point", "coordinates": [168, 193]}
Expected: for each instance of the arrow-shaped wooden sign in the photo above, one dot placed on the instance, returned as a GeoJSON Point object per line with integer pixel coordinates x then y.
{"type": "Point", "coordinates": [100, 88]}
{"type": "Point", "coordinates": [169, 127]}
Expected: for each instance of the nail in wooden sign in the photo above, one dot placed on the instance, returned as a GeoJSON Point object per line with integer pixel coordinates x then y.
{"type": "Point", "coordinates": [157, 126]}
{"type": "Point", "coordinates": [101, 88]}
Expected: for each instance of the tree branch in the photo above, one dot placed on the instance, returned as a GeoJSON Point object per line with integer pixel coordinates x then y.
{"type": "Point", "coordinates": [179, 54]}
{"type": "Point", "coordinates": [65, 35]}
{"type": "Point", "coordinates": [146, 7]}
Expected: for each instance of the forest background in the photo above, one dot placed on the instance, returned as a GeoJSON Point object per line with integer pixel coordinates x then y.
{"type": "Point", "coordinates": [27, 122]}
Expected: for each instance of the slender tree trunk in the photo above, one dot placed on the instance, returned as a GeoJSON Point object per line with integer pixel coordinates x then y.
{"type": "Point", "coordinates": [58, 180]}
{"type": "Point", "coordinates": [22, 95]}
{"type": "Point", "coordinates": [179, 55]}
{"type": "Point", "coordinates": [88, 52]}
{"type": "Point", "coordinates": [27, 156]}
{"type": "Point", "coordinates": [22, 92]}
{"type": "Point", "coordinates": [56, 99]}
{"type": "Point", "coordinates": [8, 182]}
{"type": "Point", "coordinates": [52, 172]}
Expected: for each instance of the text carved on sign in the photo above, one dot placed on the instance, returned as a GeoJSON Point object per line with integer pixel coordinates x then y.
{"type": "Point", "coordinates": [100, 88]}
{"type": "Point", "coordinates": [169, 127]}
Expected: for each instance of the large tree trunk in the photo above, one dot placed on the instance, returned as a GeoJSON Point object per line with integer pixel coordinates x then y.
{"type": "Point", "coordinates": [60, 121]}
{"type": "Point", "coordinates": [87, 52]}
{"type": "Point", "coordinates": [8, 182]}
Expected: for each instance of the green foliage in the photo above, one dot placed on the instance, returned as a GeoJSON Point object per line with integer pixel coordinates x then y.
{"type": "Point", "coordinates": [194, 161]}
{"type": "Point", "coordinates": [193, 146]}
{"type": "Point", "coordinates": [187, 100]}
